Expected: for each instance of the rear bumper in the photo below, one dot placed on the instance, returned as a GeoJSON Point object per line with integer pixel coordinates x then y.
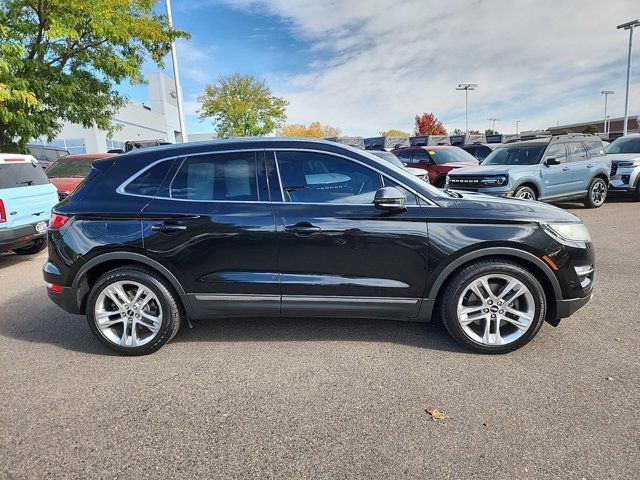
{"type": "Point", "coordinates": [19, 237]}
{"type": "Point", "coordinates": [66, 299]}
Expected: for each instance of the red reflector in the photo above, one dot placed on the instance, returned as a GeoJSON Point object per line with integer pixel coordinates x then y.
{"type": "Point", "coordinates": [14, 159]}
{"type": "Point", "coordinates": [26, 237]}
{"type": "Point", "coordinates": [54, 288]}
{"type": "Point", "coordinates": [57, 220]}
{"type": "Point", "coordinates": [3, 212]}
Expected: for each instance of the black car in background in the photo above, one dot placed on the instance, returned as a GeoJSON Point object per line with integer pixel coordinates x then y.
{"type": "Point", "coordinates": [304, 228]}
{"type": "Point", "coordinates": [46, 154]}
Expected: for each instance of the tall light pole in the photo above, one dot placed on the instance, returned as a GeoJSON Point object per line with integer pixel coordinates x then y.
{"type": "Point", "coordinates": [517, 125]}
{"type": "Point", "coordinates": [628, 26]}
{"type": "Point", "coordinates": [494, 120]}
{"type": "Point", "coordinates": [466, 87]}
{"type": "Point", "coordinates": [176, 77]}
{"type": "Point", "coordinates": [606, 93]}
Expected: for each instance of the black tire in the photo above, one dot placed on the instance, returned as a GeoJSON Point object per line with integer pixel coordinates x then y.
{"type": "Point", "coordinates": [525, 192]}
{"type": "Point", "coordinates": [37, 247]}
{"type": "Point", "coordinates": [596, 193]}
{"type": "Point", "coordinates": [635, 196]}
{"type": "Point", "coordinates": [457, 285]}
{"type": "Point", "coordinates": [169, 301]}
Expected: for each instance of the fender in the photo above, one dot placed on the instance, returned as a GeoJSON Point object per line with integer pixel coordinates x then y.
{"type": "Point", "coordinates": [136, 257]}
{"type": "Point", "coordinates": [490, 252]}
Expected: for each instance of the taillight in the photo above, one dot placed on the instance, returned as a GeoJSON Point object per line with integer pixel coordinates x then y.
{"type": "Point", "coordinates": [3, 213]}
{"type": "Point", "coordinates": [57, 220]}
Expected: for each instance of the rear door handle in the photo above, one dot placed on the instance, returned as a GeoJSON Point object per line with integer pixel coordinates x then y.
{"type": "Point", "coordinates": [566, 169]}
{"type": "Point", "coordinates": [168, 227]}
{"type": "Point", "coordinates": [590, 165]}
{"type": "Point", "coordinates": [302, 228]}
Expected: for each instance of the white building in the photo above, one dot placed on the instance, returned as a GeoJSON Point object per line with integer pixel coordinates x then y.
{"type": "Point", "coordinates": [137, 121]}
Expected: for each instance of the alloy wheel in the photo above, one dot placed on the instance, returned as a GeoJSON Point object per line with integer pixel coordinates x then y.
{"type": "Point", "coordinates": [598, 192]}
{"type": "Point", "coordinates": [128, 314]}
{"type": "Point", "coordinates": [525, 195]}
{"type": "Point", "coordinates": [496, 309]}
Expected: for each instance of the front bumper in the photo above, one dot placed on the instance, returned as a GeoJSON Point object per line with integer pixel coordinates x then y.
{"type": "Point", "coordinates": [11, 238]}
{"type": "Point", "coordinates": [566, 308]}
{"type": "Point", "coordinates": [625, 179]}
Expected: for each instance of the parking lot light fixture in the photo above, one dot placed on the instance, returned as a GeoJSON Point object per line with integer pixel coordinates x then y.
{"type": "Point", "coordinates": [493, 120]}
{"type": "Point", "coordinates": [517, 127]}
{"type": "Point", "coordinates": [176, 77]}
{"type": "Point", "coordinates": [606, 93]}
{"type": "Point", "coordinates": [466, 87]}
{"type": "Point", "coordinates": [628, 26]}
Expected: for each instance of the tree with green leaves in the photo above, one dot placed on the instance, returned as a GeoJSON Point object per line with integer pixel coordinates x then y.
{"type": "Point", "coordinates": [491, 131]}
{"type": "Point", "coordinates": [590, 130]}
{"type": "Point", "coordinates": [60, 59]}
{"type": "Point", "coordinates": [242, 106]}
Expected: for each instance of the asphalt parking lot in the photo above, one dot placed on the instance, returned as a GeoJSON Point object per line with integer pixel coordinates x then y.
{"type": "Point", "coordinates": [327, 398]}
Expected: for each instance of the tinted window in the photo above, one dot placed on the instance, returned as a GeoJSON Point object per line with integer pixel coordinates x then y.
{"type": "Point", "coordinates": [269, 183]}
{"type": "Point", "coordinates": [37, 152]}
{"type": "Point", "coordinates": [577, 152]}
{"type": "Point", "coordinates": [21, 175]}
{"type": "Point", "coordinates": [389, 157]}
{"type": "Point", "coordinates": [420, 156]}
{"type": "Point", "coordinates": [72, 167]}
{"type": "Point", "coordinates": [516, 155]}
{"type": "Point", "coordinates": [411, 198]}
{"type": "Point", "coordinates": [51, 155]}
{"type": "Point", "coordinates": [594, 148]}
{"type": "Point", "coordinates": [557, 151]}
{"type": "Point", "coordinates": [317, 178]}
{"type": "Point", "coordinates": [406, 154]}
{"type": "Point", "coordinates": [625, 145]}
{"type": "Point", "coordinates": [217, 177]}
{"type": "Point", "coordinates": [148, 182]}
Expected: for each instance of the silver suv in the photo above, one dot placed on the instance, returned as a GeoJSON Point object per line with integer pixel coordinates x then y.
{"type": "Point", "coordinates": [549, 168]}
{"type": "Point", "coordinates": [624, 154]}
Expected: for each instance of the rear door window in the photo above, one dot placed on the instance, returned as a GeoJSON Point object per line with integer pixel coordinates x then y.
{"type": "Point", "coordinates": [21, 175]}
{"type": "Point", "coordinates": [227, 177]}
{"type": "Point", "coordinates": [577, 152]}
{"type": "Point", "coordinates": [594, 148]}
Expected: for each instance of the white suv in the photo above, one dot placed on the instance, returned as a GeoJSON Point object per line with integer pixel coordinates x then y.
{"type": "Point", "coordinates": [624, 153]}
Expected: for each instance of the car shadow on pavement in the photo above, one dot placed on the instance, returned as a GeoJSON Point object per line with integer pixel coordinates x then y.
{"type": "Point", "coordinates": [40, 321]}
{"type": "Point", "coordinates": [273, 329]}
{"type": "Point", "coordinates": [9, 259]}
{"type": "Point", "coordinates": [578, 205]}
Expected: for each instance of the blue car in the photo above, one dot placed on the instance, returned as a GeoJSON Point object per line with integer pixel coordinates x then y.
{"type": "Point", "coordinates": [549, 169]}
{"type": "Point", "coordinates": [26, 200]}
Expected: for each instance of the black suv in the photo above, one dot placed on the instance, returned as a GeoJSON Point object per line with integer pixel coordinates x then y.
{"type": "Point", "coordinates": [282, 227]}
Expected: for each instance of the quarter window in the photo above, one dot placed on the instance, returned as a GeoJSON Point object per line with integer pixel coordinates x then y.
{"type": "Point", "coordinates": [309, 177]}
{"type": "Point", "coordinates": [594, 148]}
{"type": "Point", "coordinates": [149, 181]}
{"type": "Point", "coordinates": [230, 177]}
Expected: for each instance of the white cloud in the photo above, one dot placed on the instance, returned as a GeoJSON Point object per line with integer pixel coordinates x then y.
{"type": "Point", "coordinates": [538, 61]}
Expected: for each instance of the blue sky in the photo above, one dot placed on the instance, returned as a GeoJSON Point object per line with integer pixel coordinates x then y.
{"type": "Point", "coordinates": [370, 65]}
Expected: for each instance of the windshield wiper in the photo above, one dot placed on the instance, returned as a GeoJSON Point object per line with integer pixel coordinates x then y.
{"type": "Point", "coordinates": [26, 182]}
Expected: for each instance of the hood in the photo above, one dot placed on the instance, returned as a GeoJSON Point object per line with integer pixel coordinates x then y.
{"type": "Point", "coordinates": [483, 170]}
{"type": "Point", "coordinates": [619, 157]}
{"type": "Point", "coordinates": [419, 172]}
{"type": "Point", "coordinates": [64, 184]}
{"type": "Point", "coordinates": [459, 165]}
{"type": "Point", "coordinates": [478, 205]}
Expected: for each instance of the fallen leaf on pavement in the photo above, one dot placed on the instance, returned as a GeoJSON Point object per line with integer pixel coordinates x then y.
{"type": "Point", "coordinates": [436, 414]}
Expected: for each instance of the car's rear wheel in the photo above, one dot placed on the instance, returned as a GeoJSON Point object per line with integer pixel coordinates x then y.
{"type": "Point", "coordinates": [525, 193]}
{"type": "Point", "coordinates": [493, 306]}
{"type": "Point", "coordinates": [133, 311]}
{"type": "Point", "coordinates": [635, 196]}
{"type": "Point", "coordinates": [37, 247]}
{"type": "Point", "coordinates": [596, 194]}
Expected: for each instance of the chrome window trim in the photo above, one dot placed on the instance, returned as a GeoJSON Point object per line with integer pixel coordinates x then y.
{"type": "Point", "coordinates": [122, 188]}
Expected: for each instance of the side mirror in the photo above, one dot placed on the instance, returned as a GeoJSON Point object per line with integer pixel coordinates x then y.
{"type": "Point", "coordinates": [389, 198]}
{"type": "Point", "coordinates": [552, 161]}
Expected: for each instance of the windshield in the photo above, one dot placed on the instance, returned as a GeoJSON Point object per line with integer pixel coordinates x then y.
{"type": "Point", "coordinates": [389, 157]}
{"type": "Point", "coordinates": [71, 167]}
{"type": "Point", "coordinates": [624, 145]}
{"type": "Point", "coordinates": [451, 155]}
{"type": "Point", "coordinates": [516, 155]}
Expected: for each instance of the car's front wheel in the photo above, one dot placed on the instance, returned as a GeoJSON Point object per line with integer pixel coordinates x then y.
{"type": "Point", "coordinates": [597, 193]}
{"type": "Point", "coordinates": [525, 193]}
{"type": "Point", "coordinates": [493, 306]}
{"type": "Point", "coordinates": [133, 310]}
{"type": "Point", "coordinates": [37, 247]}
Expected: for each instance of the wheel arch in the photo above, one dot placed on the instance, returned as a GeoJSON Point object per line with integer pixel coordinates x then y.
{"type": "Point", "coordinates": [99, 265]}
{"type": "Point", "coordinates": [527, 260]}
{"type": "Point", "coordinates": [532, 184]}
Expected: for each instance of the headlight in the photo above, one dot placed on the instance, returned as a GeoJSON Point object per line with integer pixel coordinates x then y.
{"type": "Point", "coordinates": [496, 181]}
{"type": "Point", "coordinates": [568, 232]}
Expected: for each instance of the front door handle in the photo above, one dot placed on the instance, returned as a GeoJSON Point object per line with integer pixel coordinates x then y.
{"type": "Point", "coordinates": [566, 169]}
{"type": "Point", "coordinates": [302, 228]}
{"type": "Point", "coordinates": [168, 227]}
{"type": "Point", "coordinates": [590, 165]}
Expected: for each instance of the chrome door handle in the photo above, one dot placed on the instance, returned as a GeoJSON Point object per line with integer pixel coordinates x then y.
{"type": "Point", "coordinates": [168, 228]}
{"type": "Point", "coordinates": [566, 169]}
{"type": "Point", "coordinates": [590, 166]}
